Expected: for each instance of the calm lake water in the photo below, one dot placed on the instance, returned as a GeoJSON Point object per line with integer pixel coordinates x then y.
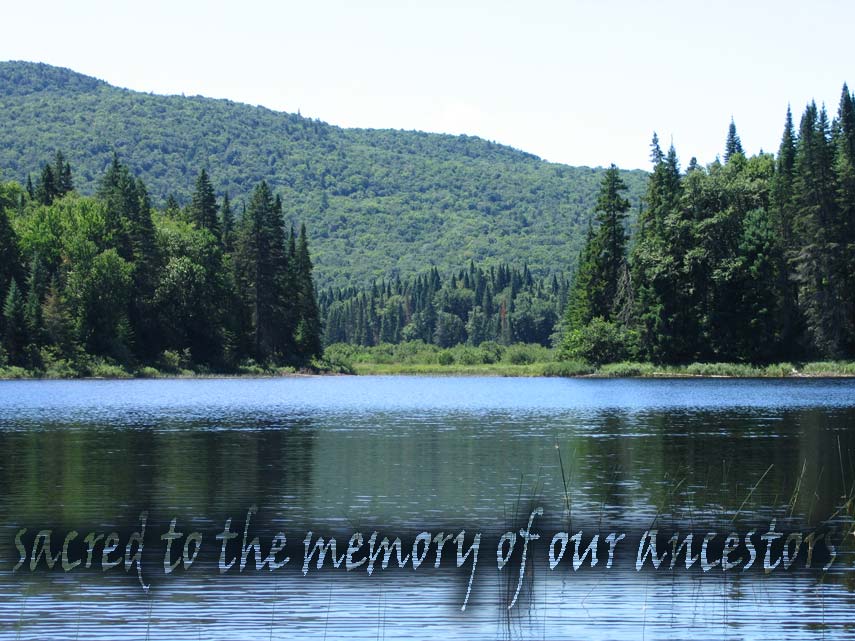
{"type": "Point", "coordinates": [400, 455]}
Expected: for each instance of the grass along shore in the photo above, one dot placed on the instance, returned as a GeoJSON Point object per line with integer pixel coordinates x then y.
{"type": "Point", "coordinates": [417, 358]}
{"type": "Point", "coordinates": [570, 369]}
{"type": "Point", "coordinates": [491, 359]}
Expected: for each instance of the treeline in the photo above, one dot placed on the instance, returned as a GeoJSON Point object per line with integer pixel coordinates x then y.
{"type": "Point", "coordinates": [108, 279]}
{"type": "Point", "coordinates": [748, 259]}
{"type": "Point", "coordinates": [473, 305]}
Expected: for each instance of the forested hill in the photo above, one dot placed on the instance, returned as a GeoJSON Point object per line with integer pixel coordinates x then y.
{"type": "Point", "coordinates": [378, 203]}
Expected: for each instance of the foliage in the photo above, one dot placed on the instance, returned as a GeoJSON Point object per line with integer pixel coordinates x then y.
{"type": "Point", "coordinates": [107, 286]}
{"type": "Point", "coordinates": [748, 261]}
{"type": "Point", "coordinates": [598, 342]}
{"type": "Point", "coordinates": [474, 305]}
{"type": "Point", "coordinates": [378, 203]}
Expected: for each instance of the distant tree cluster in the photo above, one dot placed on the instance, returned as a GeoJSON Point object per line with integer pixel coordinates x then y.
{"type": "Point", "coordinates": [475, 305]}
{"type": "Point", "coordinates": [110, 277]}
{"type": "Point", "coordinates": [750, 259]}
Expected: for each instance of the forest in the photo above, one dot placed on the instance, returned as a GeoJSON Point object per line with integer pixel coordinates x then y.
{"type": "Point", "coordinates": [107, 285]}
{"type": "Point", "coordinates": [747, 260]}
{"type": "Point", "coordinates": [369, 196]}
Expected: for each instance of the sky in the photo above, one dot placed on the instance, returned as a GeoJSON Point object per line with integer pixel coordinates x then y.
{"type": "Point", "coordinates": [575, 81]}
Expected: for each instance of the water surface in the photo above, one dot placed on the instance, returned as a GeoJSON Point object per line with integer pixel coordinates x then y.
{"type": "Point", "coordinates": [402, 454]}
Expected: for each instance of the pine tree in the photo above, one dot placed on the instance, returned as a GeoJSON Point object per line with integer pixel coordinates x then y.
{"type": "Point", "coordinates": [36, 285]}
{"type": "Point", "coordinates": [783, 216]}
{"type": "Point", "coordinates": [845, 173]}
{"type": "Point", "coordinates": [145, 255]}
{"type": "Point", "coordinates": [262, 264]}
{"type": "Point", "coordinates": [227, 224]}
{"type": "Point", "coordinates": [819, 263]}
{"type": "Point", "coordinates": [117, 190]}
{"type": "Point", "coordinates": [46, 190]}
{"type": "Point", "coordinates": [15, 336]}
{"type": "Point", "coordinates": [733, 145]}
{"type": "Point", "coordinates": [308, 332]}
{"type": "Point", "coordinates": [10, 263]}
{"type": "Point", "coordinates": [62, 175]}
{"type": "Point", "coordinates": [203, 205]}
{"type": "Point", "coordinates": [657, 263]}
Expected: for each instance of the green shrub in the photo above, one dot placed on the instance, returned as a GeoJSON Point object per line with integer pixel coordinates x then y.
{"type": "Point", "coordinates": [12, 371]}
{"type": "Point", "coordinates": [169, 361]}
{"type": "Point", "coordinates": [469, 356]}
{"type": "Point", "coordinates": [600, 342]}
{"type": "Point", "coordinates": [104, 369]}
{"type": "Point", "coordinates": [60, 368]}
{"type": "Point", "coordinates": [335, 363]}
{"type": "Point", "coordinates": [148, 372]}
{"type": "Point", "coordinates": [779, 370]}
{"type": "Point", "coordinates": [522, 354]}
{"type": "Point", "coordinates": [250, 368]}
{"type": "Point", "coordinates": [445, 357]}
{"type": "Point", "coordinates": [491, 352]}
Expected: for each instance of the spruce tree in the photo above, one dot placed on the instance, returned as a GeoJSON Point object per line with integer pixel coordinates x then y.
{"type": "Point", "coordinates": [46, 190]}
{"type": "Point", "coordinates": [203, 205]}
{"type": "Point", "coordinates": [62, 175]}
{"type": "Point", "coordinates": [733, 145]}
{"type": "Point", "coordinates": [227, 224]}
{"type": "Point", "coordinates": [308, 331]}
{"type": "Point", "coordinates": [819, 262]}
{"type": "Point", "coordinates": [262, 264]}
{"type": "Point", "coordinates": [784, 251]}
{"type": "Point", "coordinates": [845, 174]}
{"type": "Point", "coordinates": [15, 335]}
{"type": "Point", "coordinates": [10, 264]}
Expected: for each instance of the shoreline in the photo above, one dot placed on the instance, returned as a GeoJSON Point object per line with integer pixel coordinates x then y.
{"type": "Point", "coordinates": [551, 369]}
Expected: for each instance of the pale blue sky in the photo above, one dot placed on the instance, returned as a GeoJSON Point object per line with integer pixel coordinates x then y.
{"type": "Point", "coordinates": [580, 82]}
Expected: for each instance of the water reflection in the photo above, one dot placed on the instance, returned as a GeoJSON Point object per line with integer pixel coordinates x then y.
{"type": "Point", "coordinates": [404, 454]}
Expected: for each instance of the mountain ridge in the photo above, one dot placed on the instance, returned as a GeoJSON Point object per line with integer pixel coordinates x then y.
{"type": "Point", "coordinates": [378, 202]}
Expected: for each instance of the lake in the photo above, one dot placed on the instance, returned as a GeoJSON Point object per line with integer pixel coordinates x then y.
{"type": "Point", "coordinates": [401, 455]}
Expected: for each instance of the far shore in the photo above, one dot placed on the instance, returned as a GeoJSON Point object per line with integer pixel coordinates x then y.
{"type": "Point", "coordinates": [550, 369]}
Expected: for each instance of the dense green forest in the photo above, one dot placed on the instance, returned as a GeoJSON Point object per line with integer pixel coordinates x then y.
{"type": "Point", "coordinates": [499, 304]}
{"type": "Point", "coordinates": [748, 259]}
{"type": "Point", "coordinates": [107, 284]}
{"type": "Point", "coordinates": [378, 203]}
{"type": "Point", "coordinates": [745, 260]}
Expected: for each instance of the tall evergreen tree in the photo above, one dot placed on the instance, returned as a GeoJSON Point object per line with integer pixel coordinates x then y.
{"type": "Point", "coordinates": [658, 269]}
{"type": "Point", "coordinates": [845, 174]}
{"type": "Point", "coordinates": [46, 190]}
{"type": "Point", "coordinates": [227, 224]}
{"type": "Point", "coordinates": [262, 263]}
{"type": "Point", "coordinates": [819, 263]}
{"type": "Point", "coordinates": [595, 286]}
{"type": "Point", "coordinates": [203, 205]}
{"type": "Point", "coordinates": [10, 262]}
{"type": "Point", "coordinates": [783, 216]}
{"type": "Point", "coordinates": [308, 330]}
{"type": "Point", "coordinates": [15, 336]}
{"type": "Point", "coordinates": [62, 175]}
{"type": "Point", "coordinates": [733, 145]}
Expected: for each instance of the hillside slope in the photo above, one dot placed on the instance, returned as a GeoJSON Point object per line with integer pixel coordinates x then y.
{"type": "Point", "coordinates": [377, 202]}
